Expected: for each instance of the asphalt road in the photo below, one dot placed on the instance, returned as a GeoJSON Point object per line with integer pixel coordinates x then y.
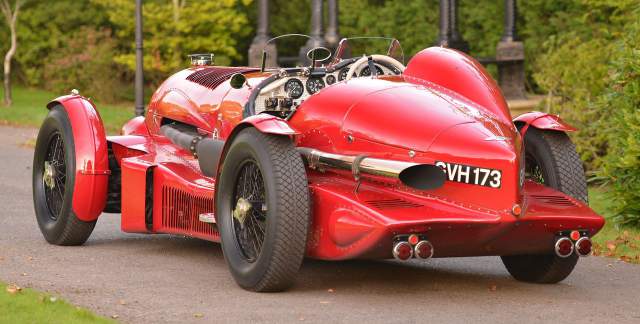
{"type": "Point", "coordinates": [164, 278]}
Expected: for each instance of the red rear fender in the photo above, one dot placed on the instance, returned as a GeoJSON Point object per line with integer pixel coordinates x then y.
{"type": "Point", "coordinates": [92, 165]}
{"type": "Point", "coordinates": [542, 120]}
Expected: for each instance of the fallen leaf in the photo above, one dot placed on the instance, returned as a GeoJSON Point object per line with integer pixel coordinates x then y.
{"type": "Point", "coordinates": [610, 265]}
{"type": "Point", "coordinates": [611, 246]}
{"type": "Point", "coordinates": [625, 258]}
{"type": "Point", "coordinates": [493, 288]}
{"type": "Point", "coordinates": [325, 302]}
{"type": "Point", "coordinates": [198, 315]}
{"type": "Point", "coordinates": [625, 234]}
{"type": "Point", "coordinates": [13, 289]}
{"type": "Point", "coordinates": [115, 316]}
{"type": "Point", "coordinates": [24, 274]}
{"type": "Point", "coordinates": [30, 258]}
{"type": "Point", "coordinates": [330, 290]}
{"type": "Point", "coordinates": [122, 302]}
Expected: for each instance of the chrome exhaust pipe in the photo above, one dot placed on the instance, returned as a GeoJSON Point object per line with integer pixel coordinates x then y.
{"type": "Point", "coordinates": [564, 247]}
{"type": "Point", "coordinates": [584, 246]}
{"type": "Point", "coordinates": [414, 175]}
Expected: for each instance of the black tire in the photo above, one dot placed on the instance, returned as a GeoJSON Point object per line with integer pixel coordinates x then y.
{"type": "Point", "coordinates": [280, 186]}
{"type": "Point", "coordinates": [52, 203]}
{"type": "Point", "coordinates": [551, 159]}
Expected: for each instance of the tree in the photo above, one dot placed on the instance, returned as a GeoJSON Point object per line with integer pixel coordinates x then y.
{"type": "Point", "coordinates": [11, 17]}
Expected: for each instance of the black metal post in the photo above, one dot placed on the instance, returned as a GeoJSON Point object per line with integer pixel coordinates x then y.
{"type": "Point", "coordinates": [510, 56]}
{"type": "Point", "coordinates": [317, 38]}
{"type": "Point", "coordinates": [332, 35]}
{"type": "Point", "coordinates": [449, 35]}
{"type": "Point", "coordinates": [139, 78]}
{"type": "Point", "coordinates": [262, 36]}
{"type": "Point", "coordinates": [445, 24]}
{"type": "Point", "coordinates": [510, 14]}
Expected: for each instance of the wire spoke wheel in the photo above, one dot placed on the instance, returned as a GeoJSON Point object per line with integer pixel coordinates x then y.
{"type": "Point", "coordinates": [54, 180]}
{"type": "Point", "coordinates": [54, 175]}
{"type": "Point", "coordinates": [249, 215]}
{"type": "Point", "coordinates": [533, 169]}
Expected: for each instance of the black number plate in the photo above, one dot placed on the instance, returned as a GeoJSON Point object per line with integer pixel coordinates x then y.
{"type": "Point", "coordinates": [471, 175]}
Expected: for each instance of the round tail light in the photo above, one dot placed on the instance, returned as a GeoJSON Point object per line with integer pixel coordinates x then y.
{"type": "Point", "coordinates": [402, 251]}
{"type": "Point", "coordinates": [583, 246]}
{"type": "Point", "coordinates": [564, 247]}
{"type": "Point", "coordinates": [424, 250]}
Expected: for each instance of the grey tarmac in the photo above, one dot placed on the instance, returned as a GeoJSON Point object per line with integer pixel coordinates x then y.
{"type": "Point", "coordinates": [172, 279]}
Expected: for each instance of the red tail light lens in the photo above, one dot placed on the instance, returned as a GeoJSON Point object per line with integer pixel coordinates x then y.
{"type": "Point", "coordinates": [583, 246]}
{"type": "Point", "coordinates": [402, 251]}
{"type": "Point", "coordinates": [424, 250]}
{"type": "Point", "coordinates": [564, 247]}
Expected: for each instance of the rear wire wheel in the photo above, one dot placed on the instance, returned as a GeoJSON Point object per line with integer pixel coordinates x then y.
{"type": "Point", "coordinates": [53, 182]}
{"type": "Point", "coordinates": [551, 159]}
{"type": "Point", "coordinates": [262, 210]}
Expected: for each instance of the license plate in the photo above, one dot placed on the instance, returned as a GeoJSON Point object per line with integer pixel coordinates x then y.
{"type": "Point", "coordinates": [471, 175]}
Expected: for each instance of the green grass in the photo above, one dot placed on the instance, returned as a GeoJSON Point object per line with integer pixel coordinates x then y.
{"type": "Point", "coordinates": [613, 240]}
{"type": "Point", "coordinates": [29, 109]}
{"type": "Point", "coordinates": [28, 306]}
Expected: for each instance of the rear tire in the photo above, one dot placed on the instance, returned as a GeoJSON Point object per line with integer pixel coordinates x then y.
{"type": "Point", "coordinates": [53, 182]}
{"type": "Point", "coordinates": [552, 160]}
{"type": "Point", "coordinates": [262, 210]}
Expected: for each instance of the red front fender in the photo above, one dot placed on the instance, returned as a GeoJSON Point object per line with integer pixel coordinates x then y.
{"type": "Point", "coordinates": [542, 120]}
{"type": "Point", "coordinates": [92, 161]}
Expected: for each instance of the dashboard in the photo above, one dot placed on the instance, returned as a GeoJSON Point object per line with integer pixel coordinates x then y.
{"type": "Point", "coordinates": [287, 93]}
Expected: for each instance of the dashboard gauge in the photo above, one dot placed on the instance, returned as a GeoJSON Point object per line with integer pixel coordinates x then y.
{"type": "Point", "coordinates": [367, 72]}
{"type": "Point", "coordinates": [343, 73]}
{"type": "Point", "coordinates": [331, 79]}
{"type": "Point", "coordinates": [294, 88]}
{"type": "Point", "coordinates": [314, 85]}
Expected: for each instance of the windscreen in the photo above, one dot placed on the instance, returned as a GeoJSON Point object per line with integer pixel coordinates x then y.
{"type": "Point", "coordinates": [364, 46]}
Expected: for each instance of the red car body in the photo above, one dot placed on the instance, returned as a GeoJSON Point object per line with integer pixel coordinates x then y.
{"type": "Point", "coordinates": [443, 109]}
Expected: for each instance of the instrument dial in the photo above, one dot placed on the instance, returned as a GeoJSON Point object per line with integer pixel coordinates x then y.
{"type": "Point", "coordinates": [331, 79]}
{"type": "Point", "coordinates": [367, 72]}
{"type": "Point", "coordinates": [294, 88]}
{"type": "Point", "coordinates": [314, 85]}
{"type": "Point", "coordinates": [343, 73]}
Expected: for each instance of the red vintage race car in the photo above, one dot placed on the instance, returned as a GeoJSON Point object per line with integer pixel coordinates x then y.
{"type": "Point", "coordinates": [356, 156]}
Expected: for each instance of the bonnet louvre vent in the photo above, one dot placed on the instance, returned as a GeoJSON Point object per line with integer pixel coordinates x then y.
{"type": "Point", "coordinates": [392, 204]}
{"type": "Point", "coordinates": [554, 200]}
{"type": "Point", "coordinates": [212, 77]}
{"type": "Point", "coordinates": [181, 211]}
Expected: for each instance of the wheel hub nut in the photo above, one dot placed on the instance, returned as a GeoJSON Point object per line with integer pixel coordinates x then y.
{"type": "Point", "coordinates": [49, 175]}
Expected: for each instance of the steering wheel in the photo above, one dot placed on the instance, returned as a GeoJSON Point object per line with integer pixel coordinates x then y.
{"type": "Point", "coordinates": [376, 57]}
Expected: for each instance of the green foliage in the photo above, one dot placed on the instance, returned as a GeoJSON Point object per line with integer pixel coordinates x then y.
{"type": "Point", "coordinates": [172, 31]}
{"type": "Point", "coordinates": [86, 62]}
{"type": "Point", "coordinates": [28, 306]}
{"type": "Point", "coordinates": [46, 27]}
{"type": "Point", "coordinates": [29, 109]}
{"type": "Point", "coordinates": [574, 68]}
{"type": "Point", "coordinates": [622, 98]}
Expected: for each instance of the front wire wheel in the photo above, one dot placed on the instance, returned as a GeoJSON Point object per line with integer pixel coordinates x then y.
{"type": "Point", "coordinates": [53, 182]}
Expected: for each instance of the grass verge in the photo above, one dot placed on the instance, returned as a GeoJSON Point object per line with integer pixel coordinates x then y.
{"type": "Point", "coordinates": [28, 109]}
{"type": "Point", "coordinates": [613, 240]}
{"type": "Point", "coordinates": [28, 306]}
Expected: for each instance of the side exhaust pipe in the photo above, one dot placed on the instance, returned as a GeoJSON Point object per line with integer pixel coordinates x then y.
{"type": "Point", "coordinates": [414, 175]}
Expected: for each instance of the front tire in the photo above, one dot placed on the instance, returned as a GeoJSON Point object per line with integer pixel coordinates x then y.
{"type": "Point", "coordinates": [54, 170]}
{"type": "Point", "coordinates": [262, 207]}
{"type": "Point", "coordinates": [551, 159]}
